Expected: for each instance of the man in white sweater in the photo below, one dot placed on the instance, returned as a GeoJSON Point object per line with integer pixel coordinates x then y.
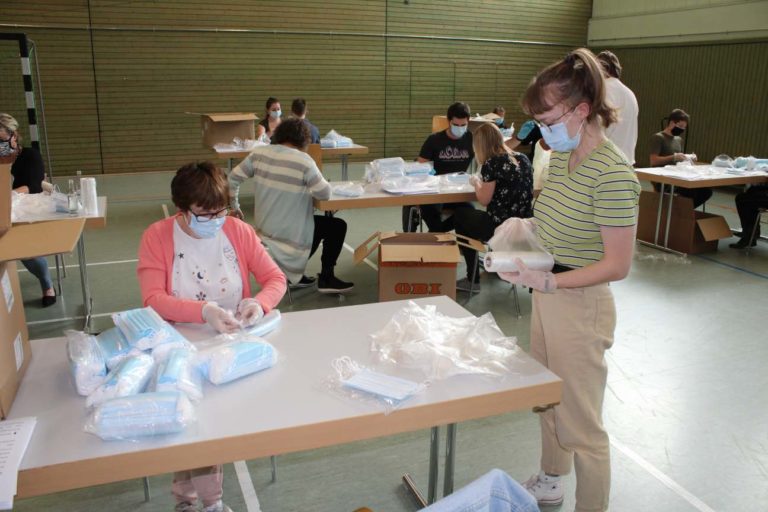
{"type": "Point", "coordinates": [624, 132]}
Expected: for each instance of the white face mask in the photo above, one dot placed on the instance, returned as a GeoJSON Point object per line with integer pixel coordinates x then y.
{"type": "Point", "coordinates": [275, 114]}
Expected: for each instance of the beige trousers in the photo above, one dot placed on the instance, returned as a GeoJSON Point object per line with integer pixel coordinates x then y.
{"type": "Point", "coordinates": [204, 483]}
{"type": "Point", "coordinates": [570, 331]}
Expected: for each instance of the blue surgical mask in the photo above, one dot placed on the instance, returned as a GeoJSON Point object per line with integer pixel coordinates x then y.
{"type": "Point", "coordinates": [275, 114]}
{"type": "Point", "coordinates": [557, 138]}
{"type": "Point", "coordinates": [458, 131]}
{"type": "Point", "coordinates": [208, 229]}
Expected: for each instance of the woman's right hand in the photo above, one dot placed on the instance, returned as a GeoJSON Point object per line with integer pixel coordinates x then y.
{"type": "Point", "coordinates": [237, 212]}
{"type": "Point", "coordinates": [219, 318]}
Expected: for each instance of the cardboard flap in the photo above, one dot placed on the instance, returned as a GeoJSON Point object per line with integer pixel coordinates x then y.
{"type": "Point", "coordinates": [420, 253]}
{"type": "Point", "coordinates": [470, 243]}
{"type": "Point", "coordinates": [713, 228]}
{"type": "Point", "coordinates": [232, 116]}
{"type": "Point", "coordinates": [25, 241]}
{"type": "Point", "coordinates": [363, 250]}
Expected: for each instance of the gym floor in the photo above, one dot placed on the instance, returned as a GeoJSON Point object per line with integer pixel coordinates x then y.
{"type": "Point", "coordinates": [685, 403]}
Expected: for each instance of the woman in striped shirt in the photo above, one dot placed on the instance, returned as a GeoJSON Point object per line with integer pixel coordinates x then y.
{"type": "Point", "coordinates": [585, 216]}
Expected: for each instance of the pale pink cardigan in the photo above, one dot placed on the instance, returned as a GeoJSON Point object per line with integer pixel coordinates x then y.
{"type": "Point", "coordinates": [155, 270]}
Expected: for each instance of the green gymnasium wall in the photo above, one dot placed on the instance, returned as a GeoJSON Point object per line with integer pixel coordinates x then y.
{"type": "Point", "coordinates": [118, 76]}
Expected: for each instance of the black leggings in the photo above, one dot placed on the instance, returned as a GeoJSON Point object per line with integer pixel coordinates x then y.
{"type": "Point", "coordinates": [331, 231]}
{"type": "Point", "coordinates": [699, 195]}
{"type": "Point", "coordinates": [432, 215]}
{"type": "Point", "coordinates": [474, 224]}
{"type": "Point", "coordinates": [747, 203]}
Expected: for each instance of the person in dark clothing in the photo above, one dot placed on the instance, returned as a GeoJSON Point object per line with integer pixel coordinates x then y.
{"type": "Point", "coordinates": [28, 173]}
{"type": "Point", "coordinates": [505, 188]}
{"type": "Point", "coordinates": [449, 151]}
{"type": "Point", "coordinates": [272, 118]}
{"type": "Point", "coordinates": [748, 203]}
{"type": "Point", "coordinates": [528, 135]}
{"type": "Point", "coordinates": [299, 109]}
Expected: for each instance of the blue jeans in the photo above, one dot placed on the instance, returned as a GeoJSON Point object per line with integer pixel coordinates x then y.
{"type": "Point", "coordinates": [495, 491]}
{"type": "Point", "coordinates": [38, 267]}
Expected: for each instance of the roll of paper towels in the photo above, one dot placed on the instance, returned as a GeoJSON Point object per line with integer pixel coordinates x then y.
{"type": "Point", "coordinates": [88, 196]}
{"type": "Point", "coordinates": [503, 261]}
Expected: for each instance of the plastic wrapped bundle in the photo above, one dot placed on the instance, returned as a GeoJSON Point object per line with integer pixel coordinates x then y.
{"type": "Point", "coordinates": [266, 324]}
{"type": "Point", "coordinates": [411, 185]}
{"type": "Point", "coordinates": [86, 361]}
{"type": "Point", "coordinates": [235, 359]}
{"type": "Point", "coordinates": [160, 352]}
{"type": "Point", "coordinates": [506, 261]}
{"type": "Point", "coordinates": [147, 414]}
{"type": "Point", "coordinates": [334, 139]}
{"type": "Point", "coordinates": [144, 328]}
{"type": "Point", "coordinates": [130, 377]}
{"type": "Point", "coordinates": [348, 189]}
{"type": "Point", "coordinates": [179, 373]}
{"type": "Point", "coordinates": [114, 346]}
{"type": "Point", "coordinates": [418, 169]}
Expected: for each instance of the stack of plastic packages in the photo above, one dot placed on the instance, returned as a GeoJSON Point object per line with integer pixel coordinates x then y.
{"type": "Point", "coordinates": [141, 376]}
{"type": "Point", "coordinates": [411, 185]}
{"type": "Point", "coordinates": [741, 164]}
{"type": "Point", "coordinates": [383, 168]}
{"type": "Point", "coordinates": [334, 139]}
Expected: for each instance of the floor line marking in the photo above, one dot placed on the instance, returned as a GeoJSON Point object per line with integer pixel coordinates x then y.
{"type": "Point", "coordinates": [365, 260]}
{"type": "Point", "coordinates": [246, 485]}
{"type": "Point", "coordinates": [67, 319]}
{"type": "Point", "coordinates": [731, 266]}
{"type": "Point", "coordinates": [96, 264]}
{"type": "Point", "coordinates": [661, 477]}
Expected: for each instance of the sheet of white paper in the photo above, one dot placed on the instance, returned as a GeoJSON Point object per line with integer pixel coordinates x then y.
{"type": "Point", "coordinates": [14, 439]}
{"type": "Point", "coordinates": [5, 284]}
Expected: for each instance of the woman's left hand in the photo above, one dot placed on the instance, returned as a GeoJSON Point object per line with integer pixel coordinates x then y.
{"type": "Point", "coordinates": [249, 311]}
{"type": "Point", "coordinates": [535, 279]}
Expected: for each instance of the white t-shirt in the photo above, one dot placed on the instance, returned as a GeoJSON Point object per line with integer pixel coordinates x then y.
{"type": "Point", "coordinates": [624, 132]}
{"type": "Point", "coordinates": [206, 269]}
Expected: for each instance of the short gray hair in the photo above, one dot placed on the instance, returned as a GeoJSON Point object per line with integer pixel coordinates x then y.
{"type": "Point", "coordinates": [9, 124]}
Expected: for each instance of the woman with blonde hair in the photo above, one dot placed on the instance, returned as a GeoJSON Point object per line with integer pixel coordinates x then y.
{"type": "Point", "coordinates": [504, 187]}
{"type": "Point", "coordinates": [586, 217]}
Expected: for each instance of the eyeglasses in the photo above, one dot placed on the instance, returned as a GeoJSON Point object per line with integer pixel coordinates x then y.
{"type": "Point", "coordinates": [207, 217]}
{"type": "Point", "coordinates": [549, 126]}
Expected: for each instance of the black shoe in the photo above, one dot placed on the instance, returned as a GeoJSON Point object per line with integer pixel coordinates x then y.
{"type": "Point", "coordinates": [742, 244]}
{"type": "Point", "coordinates": [304, 282]}
{"type": "Point", "coordinates": [333, 284]}
{"type": "Point", "coordinates": [49, 300]}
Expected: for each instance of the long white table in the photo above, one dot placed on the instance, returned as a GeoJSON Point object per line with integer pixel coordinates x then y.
{"type": "Point", "coordinates": [374, 197]}
{"type": "Point", "coordinates": [281, 410]}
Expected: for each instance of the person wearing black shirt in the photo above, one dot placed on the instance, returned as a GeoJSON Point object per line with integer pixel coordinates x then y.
{"type": "Point", "coordinates": [449, 151]}
{"type": "Point", "coordinates": [299, 109]}
{"type": "Point", "coordinates": [28, 174]}
{"type": "Point", "coordinates": [505, 188]}
{"type": "Point", "coordinates": [528, 135]}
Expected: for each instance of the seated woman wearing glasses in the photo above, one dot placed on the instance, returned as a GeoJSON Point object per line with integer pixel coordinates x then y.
{"type": "Point", "coordinates": [195, 267]}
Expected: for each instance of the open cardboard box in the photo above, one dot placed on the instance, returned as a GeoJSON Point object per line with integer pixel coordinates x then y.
{"type": "Point", "coordinates": [690, 231]}
{"type": "Point", "coordinates": [415, 265]}
{"type": "Point", "coordinates": [223, 127]}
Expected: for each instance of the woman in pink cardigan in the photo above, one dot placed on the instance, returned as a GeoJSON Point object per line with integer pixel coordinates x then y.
{"type": "Point", "coordinates": [195, 267]}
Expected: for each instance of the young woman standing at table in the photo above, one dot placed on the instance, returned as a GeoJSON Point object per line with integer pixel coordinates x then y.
{"type": "Point", "coordinates": [195, 267]}
{"type": "Point", "coordinates": [505, 188]}
{"type": "Point", "coordinates": [271, 120]}
{"type": "Point", "coordinates": [586, 217]}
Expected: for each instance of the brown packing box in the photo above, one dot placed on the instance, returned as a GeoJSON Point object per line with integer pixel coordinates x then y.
{"type": "Point", "coordinates": [690, 231]}
{"type": "Point", "coordinates": [223, 127]}
{"type": "Point", "coordinates": [6, 182]}
{"type": "Point", "coordinates": [15, 353]}
{"type": "Point", "coordinates": [440, 123]}
{"type": "Point", "coordinates": [415, 265]}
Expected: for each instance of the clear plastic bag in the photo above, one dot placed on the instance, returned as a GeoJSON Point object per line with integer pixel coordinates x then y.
{"type": "Point", "coordinates": [266, 324]}
{"type": "Point", "coordinates": [383, 168]}
{"type": "Point", "coordinates": [178, 372]}
{"type": "Point", "coordinates": [145, 329]}
{"type": "Point", "coordinates": [160, 352]}
{"type": "Point", "coordinates": [334, 139]}
{"type": "Point", "coordinates": [418, 169]}
{"type": "Point", "coordinates": [440, 346]}
{"type": "Point", "coordinates": [114, 346]}
{"type": "Point", "coordinates": [411, 185]}
{"type": "Point", "coordinates": [516, 238]}
{"type": "Point", "coordinates": [147, 414]}
{"type": "Point", "coordinates": [455, 182]}
{"type": "Point", "coordinates": [130, 377]}
{"type": "Point", "coordinates": [30, 207]}
{"type": "Point", "coordinates": [348, 189]}
{"type": "Point", "coordinates": [228, 357]}
{"type": "Point", "coordinates": [351, 380]}
{"type": "Point", "coordinates": [86, 361]}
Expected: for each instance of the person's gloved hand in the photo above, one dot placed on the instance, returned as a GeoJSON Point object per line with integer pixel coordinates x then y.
{"type": "Point", "coordinates": [535, 279]}
{"type": "Point", "coordinates": [219, 318]}
{"type": "Point", "coordinates": [475, 180]}
{"type": "Point", "coordinates": [249, 311]}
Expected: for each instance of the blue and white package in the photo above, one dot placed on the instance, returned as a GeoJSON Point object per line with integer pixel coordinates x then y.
{"type": "Point", "coordinates": [179, 373]}
{"type": "Point", "coordinates": [144, 328]}
{"type": "Point", "coordinates": [86, 361]}
{"type": "Point", "coordinates": [266, 324]}
{"type": "Point", "coordinates": [236, 359]}
{"type": "Point", "coordinates": [114, 346]}
{"type": "Point", "coordinates": [146, 414]}
{"type": "Point", "coordinates": [130, 377]}
{"type": "Point", "coordinates": [382, 385]}
{"type": "Point", "coordinates": [160, 352]}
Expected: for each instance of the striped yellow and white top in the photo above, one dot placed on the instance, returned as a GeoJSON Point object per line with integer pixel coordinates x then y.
{"type": "Point", "coordinates": [601, 191]}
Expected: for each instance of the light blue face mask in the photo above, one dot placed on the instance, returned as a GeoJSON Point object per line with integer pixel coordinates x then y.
{"type": "Point", "coordinates": [208, 229]}
{"type": "Point", "coordinates": [458, 131]}
{"type": "Point", "coordinates": [557, 138]}
{"type": "Point", "coordinates": [275, 114]}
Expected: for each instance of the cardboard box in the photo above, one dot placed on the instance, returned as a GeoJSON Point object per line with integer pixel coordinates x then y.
{"type": "Point", "coordinates": [223, 127]}
{"type": "Point", "coordinates": [440, 123]}
{"type": "Point", "coordinates": [690, 231]}
{"type": "Point", "coordinates": [415, 265]}
{"type": "Point", "coordinates": [6, 184]}
{"type": "Point", "coordinates": [15, 352]}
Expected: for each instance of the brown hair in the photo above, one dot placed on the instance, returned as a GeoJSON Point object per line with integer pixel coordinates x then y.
{"type": "Point", "coordinates": [293, 131]}
{"type": "Point", "coordinates": [299, 107]}
{"type": "Point", "coordinates": [678, 115]}
{"type": "Point", "coordinates": [202, 184]}
{"type": "Point", "coordinates": [576, 79]}
{"type": "Point", "coordinates": [610, 63]}
{"type": "Point", "coordinates": [487, 141]}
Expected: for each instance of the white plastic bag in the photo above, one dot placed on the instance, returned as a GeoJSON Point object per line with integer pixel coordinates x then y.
{"type": "Point", "coordinates": [86, 361]}
{"type": "Point", "coordinates": [348, 189]}
{"type": "Point", "coordinates": [516, 238]}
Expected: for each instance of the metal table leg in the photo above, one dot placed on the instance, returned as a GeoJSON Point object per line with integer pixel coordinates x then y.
{"type": "Point", "coordinates": [273, 462]}
{"type": "Point", "coordinates": [434, 454]}
{"type": "Point", "coordinates": [669, 214]}
{"type": "Point", "coordinates": [658, 216]}
{"type": "Point", "coordinates": [87, 301]}
{"type": "Point", "coordinates": [655, 244]}
{"type": "Point", "coordinates": [147, 495]}
{"type": "Point", "coordinates": [344, 163]}
{"type": "Point", "coordinates": [450, 459]}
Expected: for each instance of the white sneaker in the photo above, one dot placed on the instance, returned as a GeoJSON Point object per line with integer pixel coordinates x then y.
{"type": "Point", "coordinates": [548, 490]}
{"type": "Point", "coordinates": [217, 507]}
